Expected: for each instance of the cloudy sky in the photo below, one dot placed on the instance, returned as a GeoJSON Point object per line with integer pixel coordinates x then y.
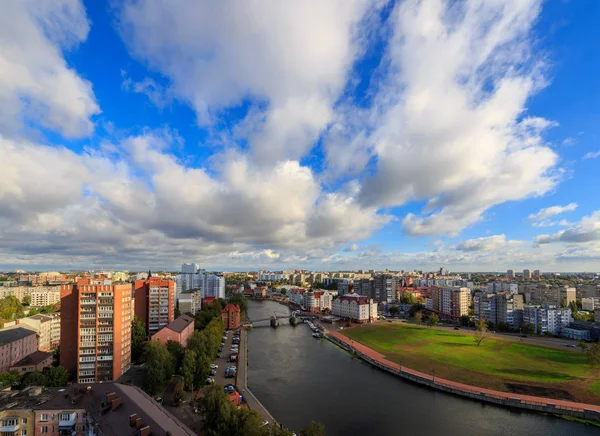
{"type": "Point", "coordinates": [316, 134]}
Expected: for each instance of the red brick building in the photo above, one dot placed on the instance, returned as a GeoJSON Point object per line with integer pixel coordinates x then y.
{"type": "Point", "coordinates": [231, 316]}
{"type": "Point", "coordinates": [155, 302]}
{"type": "Point", "coordinates": [179, 331]}
{"type": "Point", "coordinates": [95, 330]}
{"type": "Point", "coordinates": [15, 344]}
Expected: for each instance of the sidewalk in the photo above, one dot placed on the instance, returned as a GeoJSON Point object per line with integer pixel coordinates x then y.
{"type": "Point", "coordinates": [242, 380]}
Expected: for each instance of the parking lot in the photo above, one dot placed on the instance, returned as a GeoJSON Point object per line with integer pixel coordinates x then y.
{"type": "Point", "coordinates": [223, 362]}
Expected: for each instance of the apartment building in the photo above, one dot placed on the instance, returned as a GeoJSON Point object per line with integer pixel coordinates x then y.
{"type": "Point", "coordinates": [551, 295]}
{"type": "Point", "coordinates": [96, 330]}
{"type": "Point", "coordinates": [590, 304]}
{"type": "Point", "coordinates": [547, 319]}
{"type": "Point", "coordinates": [499, 308]}
{"type": "Point", "coordinates": [317, 301]}
{"type": "Point", "coordinates": [365, 287]}
{"type": "Point", "coordinates": [527, 274]}
{"type": "Point", "coordinates": [40, 295]}
{"type": "Point", "coordinates": [385, 286]}
{"type": "Point", "coordinates": [354, 307]}
{"type": "Point", "coordinates": [190, 302]}
{"type": "Point", "coordinates": [451, 302]}
{"type": "Point", "coordinates": [15, 344]}
{"type": "Point", "coordinates": [42, 325]}
{"type": "Point", "coordinates": [155, 302]}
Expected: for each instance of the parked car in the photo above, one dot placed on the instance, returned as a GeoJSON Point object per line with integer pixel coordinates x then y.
{"type": "Point", "coordinates": [213, 366]}
{"type": "Point", "coordinates": [456, 328]}
{"type": "Point", "coordinates": [570, 345]}
{"type": "Point", "coordinates": [212, 372]}
{"type": "Point", "coordinates": [159, 400]}
{"type": "Point", "coordinates": [210, 380]}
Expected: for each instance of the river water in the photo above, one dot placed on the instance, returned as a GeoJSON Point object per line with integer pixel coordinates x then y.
{"type": "Point", "coordinates": [299, 379]}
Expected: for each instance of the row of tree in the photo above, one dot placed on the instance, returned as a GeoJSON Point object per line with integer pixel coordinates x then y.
{"type": "Point", "coordinates": [221, 417]}
{"type": "Point", "coordinates": [201, 351]}
{"type": "Point", "coordinates": [55, 376]}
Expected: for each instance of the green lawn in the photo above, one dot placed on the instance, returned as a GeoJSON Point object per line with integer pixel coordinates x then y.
{"type": "Point", "coordinates": [457, 357]}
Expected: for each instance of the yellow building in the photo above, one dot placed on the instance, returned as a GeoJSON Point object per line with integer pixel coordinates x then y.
{"type": "Point", "coordinates": [17, 421]}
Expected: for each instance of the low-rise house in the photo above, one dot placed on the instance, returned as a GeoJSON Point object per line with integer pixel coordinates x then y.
{"type": "Point", "coordinates": [36, 361]}
{"type": "Point", "coordinates": [231, 316]}
{"type": "Point", "coordinates": [15, 344]}
{"type": "Point", "coordinates": [179, 331]}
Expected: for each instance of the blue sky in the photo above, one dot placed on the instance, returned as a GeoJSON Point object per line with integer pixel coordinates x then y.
{"type": "Point", "coordinates": [324, 135]}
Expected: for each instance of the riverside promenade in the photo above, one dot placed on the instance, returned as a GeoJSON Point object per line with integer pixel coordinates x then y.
{"type": "Point", "coordinates": [540, 404]}
{"type": "Point", "coordinates": [242, 379]}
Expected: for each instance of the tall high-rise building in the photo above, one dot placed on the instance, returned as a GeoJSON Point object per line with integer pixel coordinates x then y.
{"type": "Point", "coordinates": [450, 301]}
{"type": "Point", "coordinates": [510, 274]}
{"type": "Point", "coordinates": [527, 274]}
{"type": "Point", "coordinates": [211, 284]}
{"type": "Point", "coordinates": [385, 286]}
{"type": "Point", "coordinates": [155, 302]}
{"type": "Point", "coordinates": [95, 330]}
{"type": "Point", "coordinates": [537, 274]}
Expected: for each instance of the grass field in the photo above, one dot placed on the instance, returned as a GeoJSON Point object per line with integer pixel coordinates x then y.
{"type": "Point", "coordinates": [498, 364]}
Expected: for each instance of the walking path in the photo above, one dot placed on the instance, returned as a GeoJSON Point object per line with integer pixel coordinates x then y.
{"type": "Point", "coordinates": [505, 396]}
{"type": "Point", "coordinates": [242, 380]}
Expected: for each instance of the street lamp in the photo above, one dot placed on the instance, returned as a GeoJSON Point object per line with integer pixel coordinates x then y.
{"type": "Point", "coordinates": [433, 370]}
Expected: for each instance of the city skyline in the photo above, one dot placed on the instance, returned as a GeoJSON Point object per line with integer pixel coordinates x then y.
{"type": "Point", "coordinates": [329, 136]}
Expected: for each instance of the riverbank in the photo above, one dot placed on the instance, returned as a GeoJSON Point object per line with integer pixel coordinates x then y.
{"type": "Point", "coordinates": [539, 404]}
{"type": "Point", "coordinates": [242, 379]}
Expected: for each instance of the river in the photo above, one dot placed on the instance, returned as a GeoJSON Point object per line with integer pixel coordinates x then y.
{"type": "Point", "coordinates": [299, 379]}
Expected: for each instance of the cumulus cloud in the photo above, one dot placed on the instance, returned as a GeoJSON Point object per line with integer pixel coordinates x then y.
{"type": "Point", "coordinates": [586, 230]}
{"type": "Point", "coordinates": [592, 155]}
{"type": "Point", "coordinates": [138, 196]}
{"type": "Point", "coordinates": [293, 58]}
{"type": "Point", "coordinates": [449, 123]}
{"type": "Point", "coordinates": [36, 84]}
{"type": "Point", "coordinates": [548, 212]}
{"type": "Point", "coordinates": [487, 243]}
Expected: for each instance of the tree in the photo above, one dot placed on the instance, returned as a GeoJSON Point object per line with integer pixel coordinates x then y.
{"type": "Point", "coordinates": [593, 355]}
{"type": "Point", "coordinates": [176, 351]}
{"type": "Point", "coordinates": [415, 308]}
{"type": "Point", "coordinates": [56, 377]}
{"type": "Point", "coordinates": [217, 411]}
{"type": "Point", "coordinates": [503, 327]}
{"type": "Point", "coordinates": [582, 345]}
{"type": "Point", "coordinates": [465, 320]}
{"type": "Point", "coordinates": [11, 308]}
{"type": "Point", "coordinates": [10, 378]}
{"type": "Point", "coordinates": [573, 307]}
{"type": "Point", "coordinates": [528, 329]}
{"type": "Point", "coordinates": [27, 300]}
{"type": "Point", "coordinates": [189, 368]}
{"type": "Point", "coordinates": [179, 394]}
{"type": "Point", "coordinates": [35, 378]}
{"type": "Point", "coordinates": [418, 317]}
{"type": "Point", "coordinates": [408, 298]}
{"type": "Point", "coordinates": [394, 310]}
{"type": "Point", "coordinates": [313, 429]}
{"type": "Point", "coordinates": [138, 336]}
{"type": "Point", "coordinates": [241, 301]}
{"type": "Point", "coordinates": [481, 331]}
{"type": "Point", "coordinates": [433, 320]}
{"type": "Point", "coordinates": [160, 366]}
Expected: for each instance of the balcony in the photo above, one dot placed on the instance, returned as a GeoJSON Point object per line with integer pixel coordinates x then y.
{"type": "Point", "coordinates": [10, 425]}
{"type": "Point", "coordinates": [87, 345]}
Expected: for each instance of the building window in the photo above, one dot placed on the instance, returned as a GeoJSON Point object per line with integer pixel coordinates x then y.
{"type": "Point", "coordinates": [44, 417]}
{"type": "Point", "coordinates": [23, 432]}
{"type": "Point", "coordinates": [44, 429]}
{"type": "Point", "coordinates": [24, 420]}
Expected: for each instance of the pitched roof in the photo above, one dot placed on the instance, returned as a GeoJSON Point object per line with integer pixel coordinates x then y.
{"type": "Point", "coordinates": [230, 307]}
{"type": "Point", "coordinates": [180, 323]}
{"type": "Point", "coordinates": [33, 358]}
{"type": "Point", "coordinates": [14, 334]}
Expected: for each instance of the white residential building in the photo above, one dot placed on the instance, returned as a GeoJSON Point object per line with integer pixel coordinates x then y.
{"type": "Point", "coordinates": [544, 320]}
{"type": "Point", "coordinates": [355, 307]}
{"type": "Point", "coordinates": [590, 304]}
{"type": "Point", "coordinates": [40, 295]}
{"type": "Point", "coordinates": [190, 302]}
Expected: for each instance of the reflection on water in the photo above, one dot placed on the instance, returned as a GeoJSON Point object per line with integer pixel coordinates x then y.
{"type": "Point", "coordinates": [299, 379]}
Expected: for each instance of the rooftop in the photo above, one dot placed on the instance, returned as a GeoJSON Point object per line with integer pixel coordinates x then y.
{"type": "Point", "coordinates": [33, 358]}
{"type": "Point", "coordinates": [14, 334]}
{"type": "Point", "coordinates": [230, 307]}
{"type": "Point", "coordinates": [180, 323]}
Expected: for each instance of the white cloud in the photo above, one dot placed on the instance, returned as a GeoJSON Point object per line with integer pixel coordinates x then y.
{"type": "Point", "coordinates": [567, 142]}
{"type": "Point", "coordinates": [293, 56]}
{"type": "Point", "coordinates": [156, 93]}
{"type": "Point", "coordinates": [548, 212]}
{"type": "Point", "coordinates": [585, 231]}
{"type": "Point", "coordinates": [487, 243]}
{"type": "Point", "coordinates": [592, 155]}
{"type": "Point", "coordinates": [449, 122]}
{"type": "Point", "coordinates": [35, 82]}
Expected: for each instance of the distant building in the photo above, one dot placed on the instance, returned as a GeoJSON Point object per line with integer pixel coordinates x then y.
{"type": "Point", "coordinates": [576, 334]}
{"type": "Point", "coordinates": [40, 295]}
{"type": "Point", "coordinates": [317, 301]}
{"type": "Point", "coordinates": [365, 287]}
{"type": "Point", "coordinates": [190, 302]}
{"type": "Point", "coordinates": [355, 307]}
{"type": "Point", "coordinates": [47, 327]}
{"type": "Point", "coordinates": [590, 304]}
{"type": "Point", "coordinates": [231, 316]}
{"type": "Point", "coordinates": [155, 302]}
{"type": "Point", "coordinates": [207, 301]}
{"type": "Point", "coordinates": [499, 308]}
{"type": "Point", "coordinates": [179, 331]}
{"type": "Point", "coordinates": [510, 274]}
{"type": "Point", "coordinates": [526, 274]}
{"type": "Point", "coordinates": [15, 344]}
{"type": "Point", "coordinates": [537, 274]}
{"type": "Point", "coordinates": [547, 319]}
{"type": "Point", "coordinates": [551, 295]}
{"type": "Point", "coordinates": [451, 302]}
{"type": "Point", "coordinates": [259, 292]}
{"type": "Point", "coordinates": [36, 361]}
{"type": "Point", "coordinates": [385, 285]}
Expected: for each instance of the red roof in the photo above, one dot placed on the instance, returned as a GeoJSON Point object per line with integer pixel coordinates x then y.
{"type": "Point", "coordinates": [231, 307]}
{"type": "Point", "coordinates": [208, 300]}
